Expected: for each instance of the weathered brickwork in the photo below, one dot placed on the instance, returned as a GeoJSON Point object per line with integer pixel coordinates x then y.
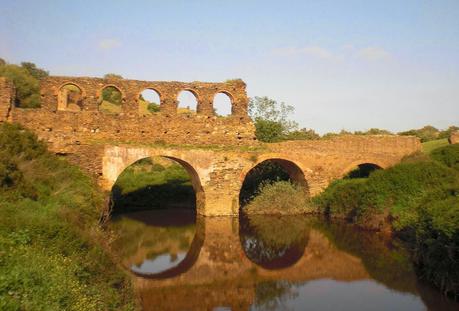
{"type": "Point", "coordinates": [454, 138]}
{"type": "Point", "coordinates": [64, 128]}
{"type": "Point", "coordinates": [218, 152]}
{"type": "Point", "coordinates": [6, 98]}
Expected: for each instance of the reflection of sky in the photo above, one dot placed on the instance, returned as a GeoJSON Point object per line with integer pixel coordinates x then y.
{"type": "Point", "coordinates": [159, 264]}
{"type": "Point", "coordinates": [360, 295]}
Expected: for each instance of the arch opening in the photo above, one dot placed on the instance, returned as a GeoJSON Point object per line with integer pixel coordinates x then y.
{"type": "Point", "coordinates": [110, 100]}
{"type": "Point", "coordinates": [187, 102]}
{"type": "Point", "coordinates": [154, 203]}
{"type": "Point", "coordinates": [268, 179]}
{"type": "Point", "coordinates": [363, 170]}
{"type": "Point", "coordinates": [70, 98]}
{"type": "Point", "coordinates": [223, 104]}
{"type": "Point", "coordinates": [149, 102]}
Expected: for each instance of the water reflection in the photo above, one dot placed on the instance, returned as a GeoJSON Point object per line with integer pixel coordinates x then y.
{"type": "Point", "coordinates": [273, 242]}
{"type": "Point", "coordinates": [157, 243]}
{"type": "Point", "coordinates": [267, 263]}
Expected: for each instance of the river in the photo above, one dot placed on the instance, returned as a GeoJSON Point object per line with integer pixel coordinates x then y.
{"type": "Point", "coordinates": [183, 262]}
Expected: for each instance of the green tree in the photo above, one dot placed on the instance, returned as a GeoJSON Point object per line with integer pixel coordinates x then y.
{"type": "Point", "coordinates": [27, 86]}
{"type": "Point", "coordinates": [427, 133]}
{"type": "Point", "coordinates": [446, 133]}
{"type": "Point", "coordinates": [112, 95]}
{"type": "Point", "coordinates": [34, 71]}
{"type": "Point", "coordinates": [271, 118]}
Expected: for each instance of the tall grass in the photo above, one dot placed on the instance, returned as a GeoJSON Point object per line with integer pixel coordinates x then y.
{"type": "Point", "coordinates": [53, 256]}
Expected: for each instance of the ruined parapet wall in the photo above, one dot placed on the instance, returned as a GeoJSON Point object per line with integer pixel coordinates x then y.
{"type": "Point", "coordinates": [168, 92]}
{"type": "Point", "coordinates": [65, 130]}
{"type": "Point", "coordinates": [454, 138]}
{"type": "Point", "coordinates": [7, 96]}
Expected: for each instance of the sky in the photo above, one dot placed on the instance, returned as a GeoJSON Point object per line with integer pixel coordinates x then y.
{"type": "Point", "coordinates": [349, 65]}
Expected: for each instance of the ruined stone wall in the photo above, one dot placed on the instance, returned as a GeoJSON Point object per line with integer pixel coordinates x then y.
{"type": "Point", "coordinates": [66, 129]}
{"type": "Point", "coordinates": [454, 138]}
{"type": "Point", "coordinates": [6, 98]}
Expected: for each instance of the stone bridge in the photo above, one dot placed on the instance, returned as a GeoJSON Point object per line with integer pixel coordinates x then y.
{"type": "Point", "coordinates": [218, 152]}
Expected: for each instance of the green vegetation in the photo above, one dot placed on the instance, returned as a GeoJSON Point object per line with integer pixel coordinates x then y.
{"type": "Point", "coordinates": [110, 100]}
{"type": "Point", "coordinates": [429, 133]}
{"type": "Point", "coordinates": [419, 200]}
{"type": "Point", "coordinates": [282, 197]}
{"type": "Point", "coordinates": [156, 183]}
{"type": "Point", "coordinates": [53, 255]}
{"type": "Point", "coordinates": [26, 81]}
{"type": "Point", "coordinates": [429, 146]}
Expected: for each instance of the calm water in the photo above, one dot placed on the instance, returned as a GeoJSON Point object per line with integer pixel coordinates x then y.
{"type": "Point", "coordinates": [181, 262]}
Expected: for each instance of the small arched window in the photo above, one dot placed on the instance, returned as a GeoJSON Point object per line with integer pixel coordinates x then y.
{"type": "Point", "coordinates": [188, 102]}
{"type": "Point", "coordinates": [70, 98]}
{"type": "Point", "coordinates": [149, 102]}
{"type": "Point", "coordinates": [110, 100]}
{"type": "Point", "coordinates": [222, 104]}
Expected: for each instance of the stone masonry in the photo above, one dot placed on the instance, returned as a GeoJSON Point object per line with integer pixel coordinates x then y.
{"type": "Point", "coordinates": [217, 152]}
{"type": "Point", "coordinates": [454, 138]}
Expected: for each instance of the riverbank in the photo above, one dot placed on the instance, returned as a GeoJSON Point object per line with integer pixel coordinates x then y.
{"type": "Point", "coordinates": [53, 254]}
{"type": "Point", "coordinates": [418, 200]}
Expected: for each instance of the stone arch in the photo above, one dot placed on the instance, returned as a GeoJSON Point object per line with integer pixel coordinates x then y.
{"type": "Point", "coordinates": [231, 102]}
{"type": "Point", "coordinates": [196, 97]}
{"type": "Point", "coordinates": [295, 169]}
{"type": "Point", "coordinates": [348, 168]}
{"type": "Point", "coordinates": [66, 101]}
{"type": "Point", "coordinates": [144, 110]}
{"type": "Point", "coordinates": [115, 107]}
{"type": "Point", "coordinates": [192, 172]}
{"type": "Point", "coordinates": [99, 91]}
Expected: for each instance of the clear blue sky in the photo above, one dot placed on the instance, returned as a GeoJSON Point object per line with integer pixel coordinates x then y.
{"type": "Point", "coordinates": [342, 64]}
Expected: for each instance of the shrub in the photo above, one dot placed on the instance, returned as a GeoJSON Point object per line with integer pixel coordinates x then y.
{"type": "Point", "coordinates": [281, 197]}
{"type": "Point", "coordinates": [448, 155]}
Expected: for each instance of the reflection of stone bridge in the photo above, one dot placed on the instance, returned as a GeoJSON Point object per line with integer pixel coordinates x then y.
{"type": "Point", "coordinates": [217, 151]}
{"type": "Point", "coordinates": [217, 272]}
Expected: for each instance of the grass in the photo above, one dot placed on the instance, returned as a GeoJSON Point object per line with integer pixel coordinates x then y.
{"type": "Point", "coordinates": [429, 146]}
{"type": "Point", "coordinates": [109, 107]}
{"type": "Point", "coordinates": [281, 198]}
{"type": "Point", "coordinates": [53, 254]}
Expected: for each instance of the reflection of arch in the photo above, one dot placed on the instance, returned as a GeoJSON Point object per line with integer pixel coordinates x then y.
{"type": "Point", "coordinates": [357, 163]}
{"type": "Point", "coordinates": [273, 242]}
{"type": "Point", "coordinates": [230, 98]}
{"type": "Point", "coordinates": [196, 99]}
{"type": "Point", "coordinates": [293, 168]}
{"type": "Point", "coordinates": [190, 259]}
{"type": "Point", "coordinates": [145, 110]}
{"type": "Point", "coordinates": [70, 100]}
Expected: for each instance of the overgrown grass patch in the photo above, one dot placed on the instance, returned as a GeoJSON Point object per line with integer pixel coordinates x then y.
{"type": "Point", "coordinates": [53, 255]}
